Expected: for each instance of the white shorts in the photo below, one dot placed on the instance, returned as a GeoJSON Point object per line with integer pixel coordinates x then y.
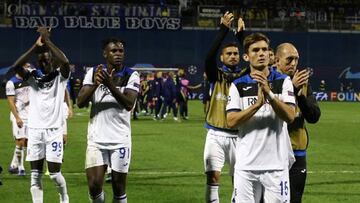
{"type": "Point", "coordinates": [45, 143]}
{"type": "Point", "coordinates": [250, 185]}
{"type": "Point", "coordinates": [218, 150]}
{"type": "Point", "coordinates": [117, 159]}
{"type": "Point", "coordinates": [19, 133]}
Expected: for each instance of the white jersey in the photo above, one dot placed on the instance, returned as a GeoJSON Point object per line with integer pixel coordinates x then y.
{"type": "Point", "coordinates": [20, 90]}
{"type": "Point", "coordinates": [46, 99]}
{"type": "Point", "coordinates": [109, 124]}
{"type": "Point", "coordinates": [264, 142]}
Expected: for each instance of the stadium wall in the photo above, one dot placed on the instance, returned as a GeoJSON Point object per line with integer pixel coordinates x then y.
{"type": "Point", "coordinates": [334, 57]}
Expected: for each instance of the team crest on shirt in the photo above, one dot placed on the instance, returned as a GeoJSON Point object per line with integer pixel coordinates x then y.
{"type": "Point", "coordinates": [271, 85]}
{"type": "Point", "coordinates": [104, 89]}
{"type": "Point", "coordinates": [45, 85]}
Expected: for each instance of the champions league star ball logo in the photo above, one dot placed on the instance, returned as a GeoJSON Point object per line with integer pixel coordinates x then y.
{"type": "Point", "coordinates": [192, 70]}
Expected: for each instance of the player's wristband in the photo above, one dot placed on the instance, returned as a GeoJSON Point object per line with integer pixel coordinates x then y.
{"type": "Point", "coordinates": [271, 96]}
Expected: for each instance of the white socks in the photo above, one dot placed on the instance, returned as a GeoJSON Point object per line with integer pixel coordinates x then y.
{"type": "Point", "coordinates": [98, 199]}
{"type": "Point", "coordinates": [212, 193]}
{"type": "Point", "coordinates": [60, 183]}
{"type": "Point", "coordinates": [21, 157]}
{"type": "Point", "coordinates": [18, 158]}
{"type": "Point", "coordinates": [121, 199]}
{"type": "Point", "coordinates": [36, 186]}
{"type": "Point", "coordinates": [14, 162]}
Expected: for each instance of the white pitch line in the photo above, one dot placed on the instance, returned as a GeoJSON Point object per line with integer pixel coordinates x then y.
{"type": "Point", "coordinates": [151, 173]}
{"type": "Point", "coordinates": [201, 173]}
{"type": "Point", "coordinates": [174, 173]}
{"type": "Point", "coordinates": [81, 114]}
{"type": "Point", "coordinates": [333, 172]}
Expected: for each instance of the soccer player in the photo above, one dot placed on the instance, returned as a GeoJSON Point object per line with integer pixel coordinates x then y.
{"type": "Point", "coordinates": [272, 57]}
{"type": "Point", "coordinates": [46, 96]}
{"type": "Point", "coordinates": [259, 104]}
{"type": "Point", "coordinates": [169, 96]}
{"type": "Point", "coordinates": [287, 58]}
{"type": "Point", "coordinates": [220, 139]}
{"type": "Point", "coordinates": [158, 94]}
{"type": "Point", "coordinates": [112, 89]}
{"type": "Point", "coordinates": [17, 92]}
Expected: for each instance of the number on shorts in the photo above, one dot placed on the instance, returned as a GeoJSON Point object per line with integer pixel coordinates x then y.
{"type": "Point", "coordinates": [284, 188]}
{"type": "Point", "coordinates": [56, 146]}
{"type": "Point", "coordinates": [122, 152]}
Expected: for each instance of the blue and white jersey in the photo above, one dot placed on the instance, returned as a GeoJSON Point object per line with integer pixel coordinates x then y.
{"type": "Point", "coordinates": [20, 90]}
{"type": "Point", "coordinates": [264, 142]}
{"type": "Point", "coordinates": [46, 99]}
{"type": "Point", "coordinates": [109, 124]}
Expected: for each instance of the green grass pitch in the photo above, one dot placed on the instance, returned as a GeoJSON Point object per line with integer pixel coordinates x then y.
{"type": "Point", "coordinates": [167, 160]}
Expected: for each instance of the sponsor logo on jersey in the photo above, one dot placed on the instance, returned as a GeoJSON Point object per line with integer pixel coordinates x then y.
{"type": "Point", "coordinates": [220, 96]}
{"type": "Point", "coordinates": [246, 88]}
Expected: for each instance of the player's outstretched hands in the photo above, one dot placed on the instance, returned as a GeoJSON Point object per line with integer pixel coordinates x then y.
{"type": "Point", "coordinates": [241, 25]}
{"type": "Point", "coordinates": [39, 42]}
{"type": "Point", "coordinates": [300, 78]}
{"type": "Point", "coordinates": [44, 33]}
{"type": "Point", "coordinates": [227, 19]}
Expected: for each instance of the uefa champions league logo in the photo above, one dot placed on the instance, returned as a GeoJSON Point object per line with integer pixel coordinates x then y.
{"type": "Point", "coordinates": [192, 70]}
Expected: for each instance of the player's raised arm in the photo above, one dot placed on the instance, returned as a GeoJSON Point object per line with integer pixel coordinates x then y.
{"type": "Point", "coordinates": [45, 37]}
{"type": "Point", "coordinates": [210, 61]}
{"type": "Point", "coordinates": [19, 63]}
{"type": "Point", "coordinates": [240, 30]}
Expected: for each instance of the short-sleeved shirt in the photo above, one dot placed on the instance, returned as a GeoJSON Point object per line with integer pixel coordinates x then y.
{"type": "Point", "coordinates": [46, 99]}
{"type": "Point", "coordinates": [263, 139]}
{"type": "Point", "coordinates": [109, 124]}
{"type": "Point", "coordinates": [20, 90]}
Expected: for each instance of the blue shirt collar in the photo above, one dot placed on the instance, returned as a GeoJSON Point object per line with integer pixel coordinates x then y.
{"type": "Point", "coordinates": [226, 69]}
